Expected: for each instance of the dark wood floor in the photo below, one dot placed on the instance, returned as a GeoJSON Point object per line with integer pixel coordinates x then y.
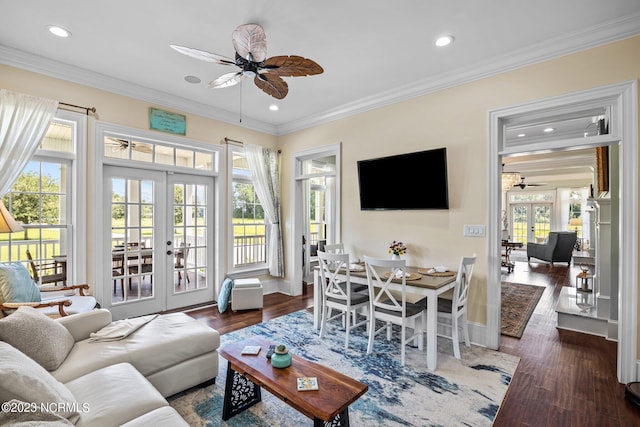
{"type": "Point", "coordinates": [563, 379]}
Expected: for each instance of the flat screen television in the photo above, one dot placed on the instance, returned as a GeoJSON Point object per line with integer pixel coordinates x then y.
{"type": "Point", "coordinates": [405, 181]}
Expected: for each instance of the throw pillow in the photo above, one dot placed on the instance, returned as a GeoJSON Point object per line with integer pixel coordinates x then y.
{"type": "Point", "coordinates": [23, 379]}
{"type": "Point", "coordinates": [224, 295]}
{"type": "Point", "coordinates": [16, 285]}
{"type": "Point", "coordinates": [38, 336]}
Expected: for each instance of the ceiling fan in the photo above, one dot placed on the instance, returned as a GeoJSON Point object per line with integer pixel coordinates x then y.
{"type": "Point", "coordinates": [122, 144]}
{"type": "Point", "coordinates": [524, 185]}
{"type": "Point", "coordinates": [250, 43]}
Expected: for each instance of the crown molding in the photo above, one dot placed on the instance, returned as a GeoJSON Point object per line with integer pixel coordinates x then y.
{"type": "Point", "coordinates": [52, 68]}
{"type": "Point", "coordinates": [601, 34]}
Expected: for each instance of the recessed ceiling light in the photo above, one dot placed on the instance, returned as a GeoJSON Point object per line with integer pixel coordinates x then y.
{"type": "Point", "coordinates": [59, 31]}
{"type": "Point", "coordinates": [273, 107]}
{"type": "Point", "coordinates": [549, 130]}
{"type": "Point", "coordinates": [444, 41]}
{"type": "Point", "coordinates": [522, 135]}
{"type": "Point", "coordinates": [192, 79]}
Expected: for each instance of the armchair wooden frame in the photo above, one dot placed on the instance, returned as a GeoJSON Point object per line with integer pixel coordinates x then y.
{"type": "Point", "coordinates": [42, 304]}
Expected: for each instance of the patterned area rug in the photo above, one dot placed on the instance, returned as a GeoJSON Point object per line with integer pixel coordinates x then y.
{"type": "Point", "coordinates": [518, 303]}
{"type": "Point", "coordinates": [460, 393]}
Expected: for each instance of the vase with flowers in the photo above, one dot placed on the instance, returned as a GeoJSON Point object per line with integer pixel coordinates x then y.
{"type": "Point", "coordinates": [396, 249]}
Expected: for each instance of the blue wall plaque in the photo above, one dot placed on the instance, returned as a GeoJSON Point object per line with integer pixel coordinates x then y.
{"type": "Point", "coordinates": [167, 122]}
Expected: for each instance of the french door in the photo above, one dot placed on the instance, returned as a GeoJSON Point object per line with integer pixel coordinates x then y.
{"type": "Point", "coordinates": [190, 225]}
{"type": "Point", "coordinates": [530, 222]}
{"type": "Point", "coordinates": [159, 240]}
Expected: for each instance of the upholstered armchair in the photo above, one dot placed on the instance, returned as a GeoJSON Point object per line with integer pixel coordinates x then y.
{"type": "Point", "coordinates": [558, 248]}
{"type": "Point", "coordinates": [17, 288]}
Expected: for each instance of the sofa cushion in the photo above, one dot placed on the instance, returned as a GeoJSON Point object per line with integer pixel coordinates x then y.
{"type": "Point", "coordinates": [16, 285]}
{"type": "Point", "coordinates": [38, 336]}
{"type": "Point", "coordinates": [161, 417]}
{"type": "Point", "coordinates": [23, 379]}
{"type": "Point", "coordinates": [167, 340]}
{"type": "Point", "coordinates": [114, 395]}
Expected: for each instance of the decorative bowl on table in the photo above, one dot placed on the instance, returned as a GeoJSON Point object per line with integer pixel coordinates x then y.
{"type": "Point", "coordinates": [281, 357]}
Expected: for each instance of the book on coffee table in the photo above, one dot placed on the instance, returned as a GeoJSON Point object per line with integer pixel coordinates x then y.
{"type": "Point", "coordinates": [251, 349]}
{"type": "Point", "coordinates": [307, 383]}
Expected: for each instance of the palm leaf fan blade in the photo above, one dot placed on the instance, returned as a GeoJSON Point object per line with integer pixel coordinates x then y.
{"type": "Point", "coordinates": [226, 80]}
{"type": "Point", "coordinates": [272, 85]}
{"type": "Point", "coordinates": [292, 66]}
{"type": "Point", "coordinates": [250, 42]}
{"type": "Point", "coordinates": [203, 55]}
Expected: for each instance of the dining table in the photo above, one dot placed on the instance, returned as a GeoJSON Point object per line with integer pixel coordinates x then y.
{"type": "Point", "coordinates": [430, 284]}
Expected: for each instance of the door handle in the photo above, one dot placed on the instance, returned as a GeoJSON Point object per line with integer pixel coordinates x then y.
{"type": "Point", "coordinates": [169, 252]}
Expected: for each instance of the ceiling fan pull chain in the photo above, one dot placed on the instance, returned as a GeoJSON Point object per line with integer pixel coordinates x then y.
{"type": "Point", "coordinates": [241, 85]}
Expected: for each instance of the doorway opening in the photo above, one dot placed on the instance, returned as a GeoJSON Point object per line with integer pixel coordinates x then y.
{"type": "Point", "coordinates": [618, 103]}
{"type": "Point", "coordinates": [316, 203]}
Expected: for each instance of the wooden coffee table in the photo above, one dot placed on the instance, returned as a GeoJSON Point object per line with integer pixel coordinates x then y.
{"type": "Point", "coordinates": [246, 374]}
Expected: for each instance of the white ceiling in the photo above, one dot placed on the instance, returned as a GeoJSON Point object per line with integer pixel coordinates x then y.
{"type": "Point", "coordinates": [373, 52]}
{"type": "Point", "coordinates": [552, 170]}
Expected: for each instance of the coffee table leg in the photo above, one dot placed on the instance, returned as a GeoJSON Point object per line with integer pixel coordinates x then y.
{"type": "Point", "coordinates": [240, 393]}
{"type": "Point", "coordinates": [341, 420]}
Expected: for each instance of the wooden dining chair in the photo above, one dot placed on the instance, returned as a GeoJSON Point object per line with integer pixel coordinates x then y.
{"type": "Point", "coordinates": [143, 263]}
{"type": "Point", "coordinates": [391, 307]}
{"type": "Point", "coordinates": [452, 306]}
{"type": "Point", "coordinates": [338, 294]}
{"type": "Point", "coordinates": [117, 271]}
{"type": "Point", "coordinates": [46, 272]}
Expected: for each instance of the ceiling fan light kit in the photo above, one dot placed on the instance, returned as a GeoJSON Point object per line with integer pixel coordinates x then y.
{"type": "Point", "coordinates": [250, 44]}
{"type": "Point", "coordinates": [524, 185]}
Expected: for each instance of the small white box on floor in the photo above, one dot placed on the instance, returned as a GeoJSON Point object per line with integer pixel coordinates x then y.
{"type": "Point", "coordinates": [246, 294]}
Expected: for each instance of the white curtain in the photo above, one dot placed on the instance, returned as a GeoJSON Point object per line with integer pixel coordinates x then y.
{"type": "Point", "coordinates": [265, 169]}
{"type": "Point", "coordinates": [563, 202]}
{"type": "Point", "coordinates": [24, 120]}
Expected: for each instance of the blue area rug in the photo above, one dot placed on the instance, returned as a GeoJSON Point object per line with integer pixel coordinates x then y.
{"type": "Point", "coordinates": [465, 392]}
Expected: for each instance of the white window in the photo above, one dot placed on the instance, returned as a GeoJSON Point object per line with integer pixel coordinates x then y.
{"type": "Point", "coordinates": [247, 216]}
{"type": "Point", "coordinates": [42, 200]}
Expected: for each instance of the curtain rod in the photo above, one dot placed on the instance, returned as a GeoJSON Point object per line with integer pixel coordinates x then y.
{"type": "Point", "coordinates": [232, 141]}
{"type": "Point", "coordinates": [236, 142]}
{"type": "Point", "coordinates": [86, 109]}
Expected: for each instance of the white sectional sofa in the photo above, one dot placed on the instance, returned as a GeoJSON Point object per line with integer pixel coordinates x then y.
{"type": "Point", "coordinates": [106, 383]}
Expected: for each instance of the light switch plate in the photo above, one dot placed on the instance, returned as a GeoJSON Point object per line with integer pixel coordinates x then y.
{"type": "Point", "coordinates": [474, 230]}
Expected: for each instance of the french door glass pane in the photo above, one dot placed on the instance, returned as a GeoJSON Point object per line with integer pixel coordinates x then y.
{"type": "Point", "coordinates": [542, 222]}
{"type": "Point", "coordinates": [519, 215]}
{"type": "Point", "coordinates": [190, 237]}
{"type": "Point", "coordinates": [132, 217]}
